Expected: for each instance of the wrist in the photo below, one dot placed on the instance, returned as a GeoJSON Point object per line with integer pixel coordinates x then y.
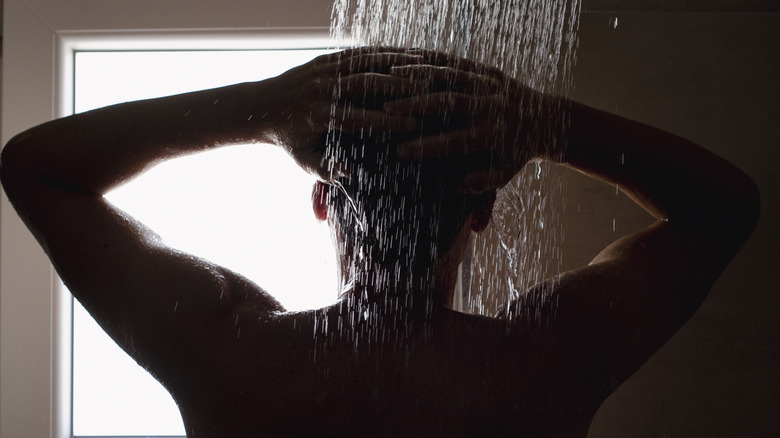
{"type": "Point", "coordinates": [541, 132]}
{"type": "Point", "coordinates": [234, 114]}
{"type": "Point", "coordinates": [265, 111]}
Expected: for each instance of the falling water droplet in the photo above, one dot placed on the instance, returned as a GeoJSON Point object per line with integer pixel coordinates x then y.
{"type": "Point", "coordinates": [534, 40]}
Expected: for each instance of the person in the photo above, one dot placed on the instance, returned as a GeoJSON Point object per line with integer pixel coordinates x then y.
{"type": "Point", "coordinates": [409, 160]}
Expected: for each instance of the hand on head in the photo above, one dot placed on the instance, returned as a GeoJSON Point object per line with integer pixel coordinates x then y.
{"type": "Point", "coordinates": [497, 114]}
{"type": "Point", "coordinates": [430, 105]}
{"type": "Point", "coordinates": [341, 93]}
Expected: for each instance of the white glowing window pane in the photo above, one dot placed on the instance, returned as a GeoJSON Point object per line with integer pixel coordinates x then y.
{"type": "Point", "coordinates": [244, 207]}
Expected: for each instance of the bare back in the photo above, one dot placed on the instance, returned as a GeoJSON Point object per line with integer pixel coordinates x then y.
{"type": "Point", "coordinates": [448, 375]}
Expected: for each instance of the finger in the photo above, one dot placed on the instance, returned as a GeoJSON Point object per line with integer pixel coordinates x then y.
{"type": "Point", "coordinates": [436, 103]}
{"type": "Point", "coordinates": [335, 57]}
{"type": "Point", "coordinates": [354, 119]}
{"type": "Point", "coordinates": [375, 84]}
{"type": "Point", "coordinates": [447, 102]}
{"type": "Point", "coordinates": [454, 79]}
{"type": "Point", "coordinates": [357, 51]}
{"type": "Point", "coordinates": [347, 117]}
{"type": "Point", "coordinates": [455, 143]}
{"type": "Point", "coordinates": [370, 62]}
{"type": "Point", "coordinates": [429, 57]}
{"type": "Point", "coordinates": [460, 63]}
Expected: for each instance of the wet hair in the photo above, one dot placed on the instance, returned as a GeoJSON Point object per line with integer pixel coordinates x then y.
{"type": "Point", "coordinates": [398, 211]}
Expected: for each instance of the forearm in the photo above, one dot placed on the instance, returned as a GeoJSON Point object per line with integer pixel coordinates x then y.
{"type": "Point", "coordinates": [672, 178]}
{"type": "Point", "coordinates": [95, 151]}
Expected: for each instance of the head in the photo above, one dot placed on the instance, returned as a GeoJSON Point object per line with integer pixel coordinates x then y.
{"type": "Point", "coordinates": [395, 214]}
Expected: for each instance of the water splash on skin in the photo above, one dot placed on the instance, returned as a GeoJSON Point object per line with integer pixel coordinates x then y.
{"type": "Point", "coordinates": [353, 207]}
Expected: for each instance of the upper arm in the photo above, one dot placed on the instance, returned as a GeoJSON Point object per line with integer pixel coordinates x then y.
{"type": "Point", "coordinates": [164, 307]}
{"type": "Point", "coordinates": [609, 317]}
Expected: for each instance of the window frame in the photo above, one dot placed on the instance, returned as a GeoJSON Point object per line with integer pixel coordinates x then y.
{"type": "Point", "coordinates": [40, 38]}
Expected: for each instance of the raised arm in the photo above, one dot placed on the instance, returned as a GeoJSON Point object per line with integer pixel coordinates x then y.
{"type": "Point", "coordinates": [615, 313]}
{"type": "Point", "coordinates": [162, 306]}
{"type": "Point", "coordinates": [608, 317]}
{"type": "Point", "coordinates": [95, 151]}
{"type": "Point", "coordinates": [673, 179]}
{"type": "Point", "coordinates": [706, 209]}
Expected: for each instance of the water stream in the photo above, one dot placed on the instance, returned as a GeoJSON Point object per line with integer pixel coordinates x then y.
{"type": "Point", "coordinates": [531, 40]}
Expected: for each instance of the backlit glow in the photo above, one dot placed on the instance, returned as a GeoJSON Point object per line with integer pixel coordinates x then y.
{"type": "Point", "coordinates": [245, 207]}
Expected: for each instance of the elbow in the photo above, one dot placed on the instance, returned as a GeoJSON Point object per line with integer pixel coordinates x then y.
{"type": "Point", "coordinates": [12, 168]}
{"type": "Point", "coordinates": [20, 165]}
{"type": "Point", "coordinates": [750, 207]}
{"type": "Point", "coordinates": [743, 202]}
{"type": "Point", "coordinates": [728, 214]}
{"type": "Point", "coordinates": [740, 213]}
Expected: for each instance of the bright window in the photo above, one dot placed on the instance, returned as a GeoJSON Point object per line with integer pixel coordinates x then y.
{"type": "Point", "coordinates": [244, 207]}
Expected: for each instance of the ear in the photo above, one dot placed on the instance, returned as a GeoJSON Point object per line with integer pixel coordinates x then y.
{"type": "Point", "coordinates": [319, 200]}
{"type": "Point", "coordinates": [480, 216]}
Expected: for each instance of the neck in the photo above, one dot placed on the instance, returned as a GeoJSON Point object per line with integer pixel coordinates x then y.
{"type": "Point", "coordinates": [373, 283]}
{"type": "Point", "coordinates": [366, 280]}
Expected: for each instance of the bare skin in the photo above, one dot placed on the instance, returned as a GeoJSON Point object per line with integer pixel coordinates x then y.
{"type": "Point", "coordinates": [238, 364]}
